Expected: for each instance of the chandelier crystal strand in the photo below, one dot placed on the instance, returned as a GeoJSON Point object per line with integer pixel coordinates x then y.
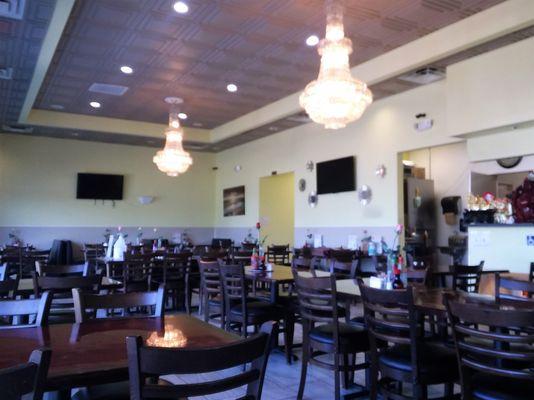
{"type": "Point", "coordinates": [335, 98]}
{"type": "Point", "coordinates": [173, 159]}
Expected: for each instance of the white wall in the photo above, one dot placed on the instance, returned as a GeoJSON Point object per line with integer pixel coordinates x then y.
{"type": "Point", "coordinates": [38, 188]}
{"type": "Point", "coordinates": [385, 130]}
{"type": "Point", "coordinates": [491, 90]}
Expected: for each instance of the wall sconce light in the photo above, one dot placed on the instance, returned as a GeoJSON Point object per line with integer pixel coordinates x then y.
{"type": "Point", "coordinates": [144, 200]}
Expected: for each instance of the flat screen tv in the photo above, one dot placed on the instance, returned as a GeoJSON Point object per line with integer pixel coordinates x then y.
{"type": "Point", "coordinates": [99, 186]}
{"type": "Point", "coordinates": [336, 176]}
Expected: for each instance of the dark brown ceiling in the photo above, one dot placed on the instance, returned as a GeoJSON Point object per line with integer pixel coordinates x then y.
{"type": "Point", "coordinates": [258, 44]}
{"type": "Point", "coordinates": [20, 43]}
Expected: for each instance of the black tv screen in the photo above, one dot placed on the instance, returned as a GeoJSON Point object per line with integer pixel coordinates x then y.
{"type": "Point", "coordinates": [336, 176]}
{"type": "Point", "coordinates": [99, 187]}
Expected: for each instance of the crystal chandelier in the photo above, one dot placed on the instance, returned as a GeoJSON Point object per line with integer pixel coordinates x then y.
{"type": "Point", "coordinates": [335, 98]}
{"type": "Point", "coordinates": [173, 159]}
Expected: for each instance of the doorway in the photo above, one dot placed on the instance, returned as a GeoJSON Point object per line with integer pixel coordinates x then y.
{"type": "Point", "coordinates": [277, 208]}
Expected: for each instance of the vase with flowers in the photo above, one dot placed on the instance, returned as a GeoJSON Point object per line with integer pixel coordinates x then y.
{"type": "Point", "coordinates": [258, 254]}
{"type": "Point", "coordinates": [395, 260]}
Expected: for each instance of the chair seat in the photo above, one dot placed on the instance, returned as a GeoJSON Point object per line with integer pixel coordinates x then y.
{"type": "Point", "coordinates": [259, 310]}
{"type": "Point", "coordinates": [353, 336]}
{"type": "Point", "coordinates": [491, 387]}
{"type": "Point", "coordinates": [435, 360]}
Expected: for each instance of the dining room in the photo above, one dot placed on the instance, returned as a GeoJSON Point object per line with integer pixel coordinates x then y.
{"type": "Point", "coordinates": [296, 199]}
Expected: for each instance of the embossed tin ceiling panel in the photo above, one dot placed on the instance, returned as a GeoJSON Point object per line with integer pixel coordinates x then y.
{"type": "Point", "coordinates": [257, 44]}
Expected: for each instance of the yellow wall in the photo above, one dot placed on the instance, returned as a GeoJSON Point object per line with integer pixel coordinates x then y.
{"type": "Point", "coordinates": [277, 208]}
{"type": "Point", "coordinates": [38, 185]}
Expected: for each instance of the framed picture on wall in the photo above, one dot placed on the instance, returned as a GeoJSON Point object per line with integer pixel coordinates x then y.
{"type": "Point", "coordinates": [234, 201]}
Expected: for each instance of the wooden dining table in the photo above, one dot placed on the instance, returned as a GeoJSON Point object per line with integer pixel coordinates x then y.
{"type": "Point", "coordinates": [278, 275]}
{"type": "Point", "coordinates": [94, 352]}
{"type": "Point", "coordinates": [427, 300]}
{"type": "Point", "coordinates": [26, 286]}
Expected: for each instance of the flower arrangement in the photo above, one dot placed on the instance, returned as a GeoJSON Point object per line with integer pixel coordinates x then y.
{"type": "Point", "coordinates": [393, 252]}
{"type": "Point", "coordinates": [14, 237]}
{"type": "Point", "coordinates": [260, 241]}
{"type": "Point", "coordinates": [139, 235]}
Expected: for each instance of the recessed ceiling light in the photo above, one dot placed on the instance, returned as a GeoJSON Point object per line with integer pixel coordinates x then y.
{"type": "Point", "coordinates": [231, 87]}
{"type": "Point", "coordinates": [182, 115]}
{"type": "Point", "coordinates": [125, 69]}
{"type": "Point", "coordinates": [57, 107]}
{"type": "Point", "coordinates": [312, 40]}
{"type": "Point", "coordinates": [181, 7]}
{"type": "Point", "coordinates": [95, 104]}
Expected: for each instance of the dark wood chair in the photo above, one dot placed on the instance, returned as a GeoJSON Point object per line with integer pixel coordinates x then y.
{"type": "Point", "coordinates": [3, 272]}
{"type": "Point", "coordinates": [466, 277]}
{"type": "Point", "coordinates": [278, 254]}
{"type": "Point", "coordinates": [242, 312]}
{"type": "Point", "coordinates": [40, 308]}
{"type": "Point", "coordinates": [124, 301]}
{"type": "Point", "coordinates": [147, 364]}
{"type": "Point", "coordinates": [211, 292]}
{"type": "Point", "coordinates": [241, 257]}
{"type": "Point", "coordinates": [8, 289]}
{"type": "Point", "coordinates": [136, 272]}
{"type": "Point", "coordinates": [416, 277]}
{"type": "Point", "coordinates": [65, 284]}
{"type": "Point", "coordinates": [496, 362]}
{"type": "Point", "coordinates": [400, 352]}
{"type": "Point", "coordinates": [531, 273]}
{"type": "Point", "coordinates": [512, 286]}
{"type": "Point", "coordinates": [29, 259]}
{"type": "Point", "coordinates": [60, 287]}
{"type": "Point", "coordinates": [26, 381]}
{"type": "Point", "coordinates": [175, 275]}
{"type": "Point", "coordinates": [323, 333]}
{"type": "Point", "coordinates": [343, 262]}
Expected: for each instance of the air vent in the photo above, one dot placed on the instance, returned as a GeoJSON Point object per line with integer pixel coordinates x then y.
{"type": "Point", "coordinates": [105, 88]}
{"type": "Point", "coordinates": [424, 76]}
{"type": "Point", "coordinates": [13, 9]}
{"type": "Point", "coordinates": [6, 73]}
{"type": "Point", "coordinates": [17, 128]}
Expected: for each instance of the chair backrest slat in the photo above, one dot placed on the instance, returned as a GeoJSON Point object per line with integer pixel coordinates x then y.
{"type": "Point", "coordinates": [84, 301]}
{"type": "Point", "coordinates": [64, 284]}
{"type": "Point", "coordinates": [466, 277]}
{"type": "Point", "coordinates": [210, 279]}
{"type": "Point", "coordinates": [491, 340]}
{"type": "Point", "coordinates": [39, 307]}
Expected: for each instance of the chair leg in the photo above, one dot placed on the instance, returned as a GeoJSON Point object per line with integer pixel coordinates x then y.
{"type": "Point", "coordinates": [345, 370]}
{"type": "Point", "coordinates": [289, 333]}
{"type": "Point", "coordinates": [373, 380]}
{"type": "Point", "coordinates": [206, 309]}
{"type": "Point", "coordinates": [449, 390]}
{"type": "Point", "coordinates": [420, 392]}
{"type": "Point", "coordinates": [337, 380]}
{"type": "Point", "coordinates": [304, 365]}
